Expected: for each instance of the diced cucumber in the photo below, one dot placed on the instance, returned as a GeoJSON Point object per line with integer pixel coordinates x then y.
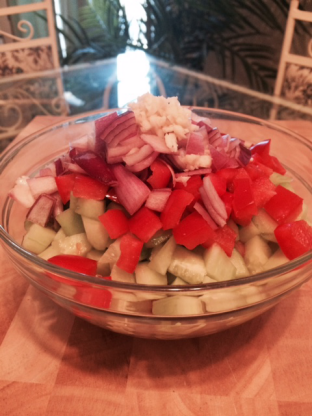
{"type": "Point", "coordinates": [70, 222]}
{"type": "Point", "coordinates": [277, 259]}
{"type": "Point", "coordinates": [128, 302]}
{"type": "Point", "coordinates": [187, 265]}
{"type": "Point", "coordinates": [94, 254]}
{"type": "Point", "coordinates": [257, 253]}
{"type": "Point", "coordinates": [252, 294]}
{"type": "Point", "coordinates": [279, 179]}
{"type": "Point", "coordinates": [239, 263]}
{"type": "Point", "coordinates": [120, 275]}
{"type": "Point", "coordinates": [146, 276]}
{"type": "Point", "coordinates": [59, 235]}
{"type": "Point", "coordinates": [177, 305]}
{"type": "Point", "coordinates": [38, 238]}
{"type": "Point", "coordinates": [304, 213]}
{"type": "Point", "coordinates": [96, 233]}
{"type": "Point", "coordinates": [178, 282]}
{"type": "Point", "coordinates": [159, 238]}
{"type": "Point", "coordinates": [49, 252]}
{"type": "Point", "coordinates": [248, 232]}
{"type": "Point", "coordinates": [219, 300]}
{"type": "Point", "coordinates": [266, 225]}
{"type": "Point", "coordinates": [76, 244]}
{"type": "Point", "coordinates": [73, 201]}
{"type": "Point", "coordinates": [218, 264]}
{"type": "Point", "coordinates": [161, 258]}
{"type": "Point", "coordinates": [109, 258]}
{"type": "Point", "coordinates": [89, 208]}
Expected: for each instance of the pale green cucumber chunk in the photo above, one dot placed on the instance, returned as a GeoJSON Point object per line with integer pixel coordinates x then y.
{"type": "Point", "coordinates": [265, 224]}
{"type": "Point", "coordinates": [120, 275]}
{"type": "Point", "coordinates": [239, 264]}
{"type": "Point", "coordinates": [94, 254]}
{"type": "Point", "coordinates": [177, 306]}
{"type": "Point", "coordinates": [38, 238]}
{"type": "Point", "coordinates": [161, 257]}
{"type": "Point", "coordinates": [49, 252]}
{"type": "Point", "coordinates": [89, 208]}
{"type": "Point", "coordinates": [96, 233]}
{"type": "Point", "coordinates": [188, 265]}
{"type": "Point", "coordinates": [257, 253]}
{"type": "Point", "coordinates": [219, 300]}
{"type": "Point", "coordinates": [76, 244]}
{"type": "Point", "coordinates": [146, 276]}
{"type": "Point", "coordinates": [70, 222]}
{"type": "Point", "coordinates": [277, 259]}
{"type": "Point", "coordinates": [248, 232]}
{"type": "Point", "coordinates": [218, 264]}
{"type": "Point", "coordinates": [279, 179]}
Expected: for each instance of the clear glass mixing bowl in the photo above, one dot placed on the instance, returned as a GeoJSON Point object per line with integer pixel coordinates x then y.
{"type": "Point", "coordinates": [220, 305]}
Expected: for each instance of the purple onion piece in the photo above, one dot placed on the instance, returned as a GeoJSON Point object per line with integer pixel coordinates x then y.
{"type": "Point", "coordinates": [96, 167]}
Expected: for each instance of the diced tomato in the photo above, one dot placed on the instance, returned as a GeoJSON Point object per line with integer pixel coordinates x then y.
{"type": "Point", "coordinates": [227, 198]}
{"type": "Point", "coordinates": [65, 185]}
{"type": "Point", "coordinates": [174, 208]}
{"type": "Point", "coordinates": [218, 182]}
{"type": "Point", "coordinates": [144, 224]}
{"type": "Point", "coordinates": [192, 231]}
{"type": "Point", "coordinates": [99, 298]}
{"type": "Point", "coordinates": [160, 176]}
{"type": "Point", "coordinates": [88, 188]}
{"type": "Point", "coordinates": [244, 207]}
{"type": "Point", "coordinates": [262, 149]}
{"type": "Point", "coordinates": [263, 190]}
{"type": "Point", "coordinates": [261, 153]}
{"type": "Point", "coordinates": [294, 238]}
{"type": "Point", "coordinates": [115, 222]}
{"type": "Point", "coordinates": [75, 263]}
{"type": "Point", "coordinates": [228, 174]}
{"type": "Point", "coordinates": [130, 247]}
{"type": "Point", "coordinates": [225, 237]}
{"type": "Point", "coordinates": [284, 206]}
{"type": "Point", "coordinates": [257, 170]}
{"type": "Point", "coordinates": [192, 186]}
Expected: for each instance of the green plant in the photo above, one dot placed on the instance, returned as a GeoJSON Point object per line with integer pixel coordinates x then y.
{"type": "Point", "coordinates": [237, 39]}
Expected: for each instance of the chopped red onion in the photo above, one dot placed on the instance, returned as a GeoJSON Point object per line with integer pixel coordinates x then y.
{"type": "Point", "coordinates": [205, 214]}
{"type": "Point", "coordinates": [72, 167]}
{"type": "Point", "coordinates": [138, 155]}
{"type": "Point", "coordinates": [145, 163]}
{"type": "Point", "coordinates": [42, 185]}
{"type": "Point", "coordinates": [203, 171]}
{"type": "Point", "coordinates": [195, 144]}
{"type": "Point", "coordinates": [41, 211]}
{"type": "Point", "coordinates": [213, 203]}
{"type": "Point", "coordinates": [96, 167]}
{"type": "Point", "coordinates": [157, 199]}
{"type": "Point", "coordinates": [102, 123]}
{"type": "Point", "coordinates": [130, 191]}
{"type": "Point", "coordinates": [117, 125]}
{"type": "Point", "coordinates": [158, 144]}
{"type": "Point", "coordinates": [124, 135]}
{"type": "Point", "coordinates": [46, 172]}
{"type": "Point", "coordinates": [21, 192]}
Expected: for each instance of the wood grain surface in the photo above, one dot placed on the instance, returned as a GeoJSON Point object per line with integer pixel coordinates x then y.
{"type": "Point", "coordinates": [53, 364]}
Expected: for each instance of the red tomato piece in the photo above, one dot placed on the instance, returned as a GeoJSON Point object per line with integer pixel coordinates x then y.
{"type": "Point", "coordinates": [271, 162]}
{"type": "Point", "coordinates": [88, 188]}
{"type": "Point", "coordinates": [284, 206]}
{"type": "Point", "coordinates": [192, 186]}
{"type": "Point", "coordinates": [116, 222]}
{"type": "Point", "coordinates": [257, 170]}
{"type": "Point", "coordinates": [99, 298]}
{"type": "Point", "coordinates": [192, 231]}
{"type": "Point", "coordinates": [75, 263]}
{"type": "Point", "coordinates": [225, 237]}
{"type": "Point", "coordinates": [131, 248]}
{"type": "Point", "coordinates": [263, 190]}
{"type": "Point", "coordinates": [227, 198]}
{"type": "Point", "coordinates": [65, 185]}
{"type": "Point", "coordinates": [175, 207]}
{"type": "Point", "coordinates": [294, 238]}
{"type": "Point", "coordinates": [160, 176]}
{"type": "Point", "coordinates": [228, 174]}
{"type": "Point", "coordinates": [144, 224]}
{"type": "Point", "coordinates": [244, 207]}
{"type": "Point", "coordinates": [218, 182]}
{"type": "Point", "coordinates": [262, 149]}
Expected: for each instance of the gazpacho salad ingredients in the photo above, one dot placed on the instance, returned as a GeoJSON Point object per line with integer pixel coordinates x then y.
{"type": "Point", "coordinates": [158, 195]}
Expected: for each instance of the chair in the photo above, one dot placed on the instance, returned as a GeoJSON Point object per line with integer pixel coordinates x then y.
{"type": "Point", "coordinates": [24, 89]}
{"type": "Point", "coordinates": [294, 76]}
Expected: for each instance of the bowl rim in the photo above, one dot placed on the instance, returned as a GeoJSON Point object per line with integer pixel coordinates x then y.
{"type": "Point", "coordinates": [5, 238]}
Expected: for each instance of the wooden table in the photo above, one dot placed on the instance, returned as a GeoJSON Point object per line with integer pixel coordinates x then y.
{"type": "Point", "coordinates": [54, 364]}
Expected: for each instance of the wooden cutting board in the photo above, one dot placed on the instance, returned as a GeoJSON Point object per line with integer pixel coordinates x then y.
{"type": "Point", "coordinates": [53, 364]}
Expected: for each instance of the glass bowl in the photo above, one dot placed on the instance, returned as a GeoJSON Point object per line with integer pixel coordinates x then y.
{"type": "Point", "coordinates": [133, 307]}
